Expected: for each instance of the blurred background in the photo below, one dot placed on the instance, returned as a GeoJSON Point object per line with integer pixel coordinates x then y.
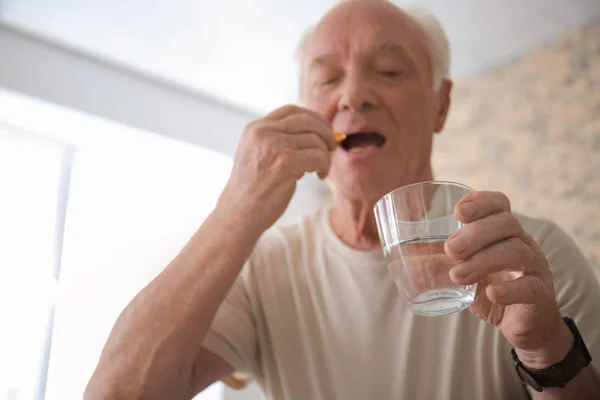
{"type": "Point", "coordinates": [110, 109]}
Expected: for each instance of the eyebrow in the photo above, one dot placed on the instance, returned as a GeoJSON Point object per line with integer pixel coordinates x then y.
{"type": "Point", "coordinates": [387, 47]}
{"type": "Point", "coordinates": [320, 60]}
{"type": "Point", "coordinates": [407, 55]}
{"type": "Point", "coordinates": [393, 47]}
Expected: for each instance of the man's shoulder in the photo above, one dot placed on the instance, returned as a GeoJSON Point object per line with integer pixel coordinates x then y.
{"type": "Point", "coordinates": [289, 239]}
{"type": "Point", "coordinates": [537, 228]}
{"type": "Point", "coordinates": [302, 227]}
{"type": "Point", "coordinates": [561, 251]}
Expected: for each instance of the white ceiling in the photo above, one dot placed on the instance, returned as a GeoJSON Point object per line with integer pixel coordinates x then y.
{"type": "Point", "coordinates": [242, 51]}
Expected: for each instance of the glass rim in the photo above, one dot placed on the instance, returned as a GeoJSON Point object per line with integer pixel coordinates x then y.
{"type": "Point", "coordinates": [452, 183]}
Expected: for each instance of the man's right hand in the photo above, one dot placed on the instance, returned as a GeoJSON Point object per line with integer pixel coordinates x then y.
{"type": "Point", "coordinates": [273, 153]}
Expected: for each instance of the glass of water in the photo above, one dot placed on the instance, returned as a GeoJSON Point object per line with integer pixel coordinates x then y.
{"type": "Point", "coordinates": [414, 223]}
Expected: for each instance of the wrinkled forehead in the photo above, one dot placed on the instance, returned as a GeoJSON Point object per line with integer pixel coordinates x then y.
{"type": "Point", "coordinates": [362, 27]}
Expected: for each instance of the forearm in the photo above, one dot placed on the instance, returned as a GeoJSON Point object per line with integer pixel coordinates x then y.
{"type": "Point", "coordinates": [586, 385]}
{"type": "Point", "coordinates": [152, 346]}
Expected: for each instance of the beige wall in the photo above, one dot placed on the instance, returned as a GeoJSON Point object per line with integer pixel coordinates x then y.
{"type": "Point", "coordinates": [532, 130]}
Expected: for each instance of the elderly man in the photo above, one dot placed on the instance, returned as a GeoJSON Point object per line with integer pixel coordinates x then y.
{"type": "Point", "coordinates": [310, 311]}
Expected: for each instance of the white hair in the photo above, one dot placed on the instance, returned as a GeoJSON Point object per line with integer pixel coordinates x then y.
{"type": "Point", "coordinates": [439, 46]}
{"type": "Point", "coordinates": [438, 41]}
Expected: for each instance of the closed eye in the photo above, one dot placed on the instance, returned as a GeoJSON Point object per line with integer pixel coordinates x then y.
{"type": "Point", "coordinates": [389, 74]}
{"type": "Point", "coordinates": [331, 80]}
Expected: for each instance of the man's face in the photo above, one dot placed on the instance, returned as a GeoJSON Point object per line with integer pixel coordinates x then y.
{"type": "Point", "coordinates": [367, 69]}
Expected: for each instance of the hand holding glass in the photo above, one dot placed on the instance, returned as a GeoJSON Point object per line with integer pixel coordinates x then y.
{"type": "Point", "coordinates": [414, 223]}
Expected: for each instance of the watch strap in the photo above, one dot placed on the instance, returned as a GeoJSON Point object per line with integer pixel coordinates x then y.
{"type": "Point", "coordinates": [559, 374]}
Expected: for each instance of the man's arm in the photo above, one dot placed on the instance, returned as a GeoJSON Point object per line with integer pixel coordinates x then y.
{"type": "Point", "coordinates": [526, 288]}
{"type": "Point", "coordinates": [578, 296]}
{"type": "Point", "coordinates": [154, 349]}
{"type": "Point", "coordinates": [586, 385]}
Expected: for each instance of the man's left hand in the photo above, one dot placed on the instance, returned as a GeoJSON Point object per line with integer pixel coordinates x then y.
{"type": "Point", "coordinates": [515, 289]}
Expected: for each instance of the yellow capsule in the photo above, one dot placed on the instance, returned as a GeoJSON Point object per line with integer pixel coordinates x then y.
{"type": "Point", "coordinates": [339, 136]}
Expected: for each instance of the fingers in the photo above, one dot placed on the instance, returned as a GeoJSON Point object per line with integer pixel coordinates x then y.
{"type": "Point", "coordinates": [291, 140]}
{"type": "Point", "coordinates": [527, 289]}
{"type": "Point", "coordinates": [312, 160]}
{"type": "Point", "coordinates": [294, 119]}
{"type": "Point", "coordinates": [501, 256]}
{"type": "Point", "coordinates": [282, 112]}
{"type": "Point", "coordinates": [477, 205]}
{"type": "Point", "coordinates": [497, 254]}
{"type": "Point", "coordinates": [291, 109]}
{"type": "Point", "coordinates": [307, 141]}
{"type": "Point", "coordinates": [311, 154]}
{"type": "Point", "coordinates": [482, 233]}
{"type": "Point", "coordinates": [307, 122]}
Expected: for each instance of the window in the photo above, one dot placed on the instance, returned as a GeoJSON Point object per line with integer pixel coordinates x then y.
{"type": "Point", "coordinates": [33, 173]}
{"type": "Point", "coordinates": [68, 269]}
{"type": "Point", "coordinates": [131, 209]}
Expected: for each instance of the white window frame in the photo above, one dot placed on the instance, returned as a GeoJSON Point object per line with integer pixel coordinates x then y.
{"type": "Point", "coordinates": [66, 161]}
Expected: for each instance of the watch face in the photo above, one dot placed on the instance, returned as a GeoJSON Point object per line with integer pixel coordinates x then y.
{"type": "Point", "coordinates": [527, 378]}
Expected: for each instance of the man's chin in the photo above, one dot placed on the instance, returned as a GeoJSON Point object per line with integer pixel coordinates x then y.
{"type": "Point", "coordinates": [359, 187]}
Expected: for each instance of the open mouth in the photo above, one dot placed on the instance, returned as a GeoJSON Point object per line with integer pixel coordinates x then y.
{"type": "Point", "coordinates": [360, 141]}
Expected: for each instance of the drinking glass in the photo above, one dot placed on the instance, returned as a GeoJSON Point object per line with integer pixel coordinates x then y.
{"type": "Point", "coordinates": [414, 223]}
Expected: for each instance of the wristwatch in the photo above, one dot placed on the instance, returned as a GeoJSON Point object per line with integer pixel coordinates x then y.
{"type": "Point", "coordinates": [559, 374]}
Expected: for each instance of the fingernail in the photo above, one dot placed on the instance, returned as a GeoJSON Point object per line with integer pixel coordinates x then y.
{"type": "Point", "coordinates": [500, 290]}
{"type": "Point", "coordinates": [458, 244]}
{"type": "Point", "coordinates": [468, 209]}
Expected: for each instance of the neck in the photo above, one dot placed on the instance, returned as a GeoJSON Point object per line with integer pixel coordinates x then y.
{"type": "Point", "coordinates": [353, 220]}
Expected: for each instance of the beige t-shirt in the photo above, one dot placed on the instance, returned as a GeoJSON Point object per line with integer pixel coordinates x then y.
{"type": "Point", "coordinates": [311, 318]}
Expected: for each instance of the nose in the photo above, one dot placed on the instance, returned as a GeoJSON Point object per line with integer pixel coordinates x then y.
{"type": "Point", "coordinates": [356, 94]}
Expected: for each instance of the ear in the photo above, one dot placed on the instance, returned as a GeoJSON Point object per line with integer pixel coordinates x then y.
{"type": "Point", "coordinates": [444, 101]}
